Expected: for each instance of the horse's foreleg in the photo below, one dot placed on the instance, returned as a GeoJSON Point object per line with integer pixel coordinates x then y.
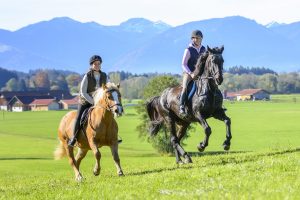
{"type": "Point", "coordinates": [72, 161]}
{"type": "Point", "coordinates": [223, 117]}
{"type": "Point", "coordinates": [115, 154]}
{"type": "Point", "coordinates": [97, 155]}
{"type": "Point", "coordinates": [207, 130]}
{"type": "Point", "coordinates": [80, 155]}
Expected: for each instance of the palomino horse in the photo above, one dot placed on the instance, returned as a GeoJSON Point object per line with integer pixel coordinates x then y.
{"type": "Point", "coordinates": [100, 130]}
{"type": "Point", "coordinates": [205, 103]}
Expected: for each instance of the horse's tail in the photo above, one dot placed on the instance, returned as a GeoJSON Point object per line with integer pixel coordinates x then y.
{"type": "Point", "coordinates": [156, 120]}
{"type": "Point", "coordinates": [60, 151]}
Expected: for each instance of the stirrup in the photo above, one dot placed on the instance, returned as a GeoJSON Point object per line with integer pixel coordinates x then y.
{"type": "Point", "coordinates": [182, 111]}
{"type": "Point", "coordinates": [120, 140]}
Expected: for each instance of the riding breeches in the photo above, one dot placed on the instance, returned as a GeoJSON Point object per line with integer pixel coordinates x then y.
{"type": "Point", "coordinates": [80, 110]}
{"type": "Point", "coordinates": [186, 78]}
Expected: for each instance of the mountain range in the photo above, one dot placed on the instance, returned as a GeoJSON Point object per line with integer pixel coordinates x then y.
{"type": "Point", "coordinates": [140, 45]}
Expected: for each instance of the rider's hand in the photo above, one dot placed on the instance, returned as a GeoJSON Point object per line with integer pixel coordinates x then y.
{"type": "Point", "coordinates": [192, 75]}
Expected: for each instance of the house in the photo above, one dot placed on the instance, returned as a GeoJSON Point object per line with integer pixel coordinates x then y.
{"type": "Point", "coordinates": [252, 94]}
{"type": "Point", "coordinates": [44, 105]}
{"type": "Point", "coordinates": [21, 103]}
{"type": "Point", "coordinates": [20, 100]}
{"type": "Point", "coordinates": [247, 94]}
{"type": "Point", "coordinates": [230, 96]}
{"type": "Point", "coordinates": [3, 103]}
{"type": "Point", "coordinates": [69, 103]}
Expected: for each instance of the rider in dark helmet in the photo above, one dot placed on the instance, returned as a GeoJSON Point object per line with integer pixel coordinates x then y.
{"type": "Point", "coordinates": [91, 81]}
{"type": "Point", "coordinates": [189, 60]}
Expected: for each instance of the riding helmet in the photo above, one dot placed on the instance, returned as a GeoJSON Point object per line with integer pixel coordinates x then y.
{"type": "Point", "coordinates": [95, 58]}
{"type": "Point", "coordinates": [197, 33]}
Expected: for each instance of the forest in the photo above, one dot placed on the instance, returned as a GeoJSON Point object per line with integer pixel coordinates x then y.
{"type": "Point", "coordinates": [132, 85]}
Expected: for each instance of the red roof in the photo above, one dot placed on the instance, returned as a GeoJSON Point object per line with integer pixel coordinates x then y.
{"type": "Point", "coordinates": [43, 102]}
{"type": "Point", "coordinates": [231, 94]}
{"type": "Point", "coordinates": [70, 101]}
{"type": "Point", "coordinates": [249, 91]}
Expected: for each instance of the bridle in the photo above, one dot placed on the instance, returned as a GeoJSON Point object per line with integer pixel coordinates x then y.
{"type": "Point", "coordinates": [107, 106]}
{"type": "Point", "coordinates": [116, 104]}
{"type": "Point", "coordinates": [211, 72]}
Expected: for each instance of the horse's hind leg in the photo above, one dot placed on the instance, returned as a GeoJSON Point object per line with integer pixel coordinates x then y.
{"type": "Point", "coordinates": [207, 131]}
{"type": "Point", "coordinates": [220, 115]}
{"type": "Point", "coordinates": [72, 161]}
{"type": "Point", "coordinates": [80, 155]}
{"type": "Point", "coordinates": [180, 133]}
{"type": "Point", "coordinates": [115, 154]}
{"type": "Point", "coordinates": [176, 143]}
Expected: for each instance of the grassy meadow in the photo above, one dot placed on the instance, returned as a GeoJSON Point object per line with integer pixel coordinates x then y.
{"type": "Point", "coordinates": [263, 163]}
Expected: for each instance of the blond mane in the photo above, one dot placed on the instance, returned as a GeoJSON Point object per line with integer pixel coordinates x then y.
{"type": "Point", "coordinates": [99, 93]}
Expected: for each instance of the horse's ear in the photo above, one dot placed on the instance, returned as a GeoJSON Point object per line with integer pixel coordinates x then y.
{"type": "Point", "coordinates": [208, 48]}
{"type": "Point", "coordinates": [118, 85]}
{"type": "Point", "coordinates": [222, 48]}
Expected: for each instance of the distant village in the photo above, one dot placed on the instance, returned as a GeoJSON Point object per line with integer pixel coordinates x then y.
{"type": "Point", "coordinates": [37, 100]}
{"type": "Point", "coordinates": [63, 100]}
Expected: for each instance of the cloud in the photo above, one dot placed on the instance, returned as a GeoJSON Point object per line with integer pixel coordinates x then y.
{"type": "Point", "coordinates": [4, 48]}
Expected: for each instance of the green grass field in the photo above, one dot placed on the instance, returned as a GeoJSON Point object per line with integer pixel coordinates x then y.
{"type": "Point", "coordinates": [263, 163]}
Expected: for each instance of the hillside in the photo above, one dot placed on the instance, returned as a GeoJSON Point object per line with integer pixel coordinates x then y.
{"type": "Point", "coordinates": [139, 45]}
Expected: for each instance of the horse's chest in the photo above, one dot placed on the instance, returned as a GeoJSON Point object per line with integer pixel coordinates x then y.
{"type": "Point", "coordinates": [105, 135]}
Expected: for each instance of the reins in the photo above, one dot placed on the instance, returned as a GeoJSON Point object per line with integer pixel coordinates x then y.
{"type": "Point", "coordinates": [106, 107]}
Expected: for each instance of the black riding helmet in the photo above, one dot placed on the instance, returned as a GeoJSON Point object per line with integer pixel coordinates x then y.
{"type": "Point", "coordinates": [197, 33]}
{"type": "Point", "coordinates": [95, 58]}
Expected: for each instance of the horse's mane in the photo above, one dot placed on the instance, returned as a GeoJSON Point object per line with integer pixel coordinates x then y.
{"type": "Point", "coordinates": [98, 94]}
{"type": "Point", "coordinates": [201, 63]}
{"type": "Point", "coordinates": [202, 59]}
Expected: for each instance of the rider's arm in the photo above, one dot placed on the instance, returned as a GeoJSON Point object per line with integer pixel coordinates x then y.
{"type": "Point", "coordinates": [185, 59]}
{"type": "Point", "coordinates": [83, 90]}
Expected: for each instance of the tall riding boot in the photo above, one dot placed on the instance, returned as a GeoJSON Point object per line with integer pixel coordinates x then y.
{"type": "Point", "coordinates": [75, 133]}
{"type": "Point", "coordinates": [182, 103]}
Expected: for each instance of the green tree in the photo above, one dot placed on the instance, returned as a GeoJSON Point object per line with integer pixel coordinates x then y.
{"type": "Point", "coordinates": [11, 85]}
{"type": "Point", "coordinates": [41, 80]}
{"type": "Point", "coordinates": [268, 82]}
{"type": "Point", "coordinates": [133, 88]}
{"type": "Point", "coordinates": [161, 142]}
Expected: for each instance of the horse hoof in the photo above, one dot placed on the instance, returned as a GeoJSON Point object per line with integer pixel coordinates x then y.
{"type": "Point", "coordinates": [187, 159]}
{"type": "Point", "coordinates": [96, 172]}
{"type": "Point", "coordinates": [179, 162]}
{"type": "Point", "coordinates": [120, 174]}
{"type": "Point", "coordinates": [226, 147]}
{"type": "Point", "coordinates": [200, 148]}
{"type": "Point", "coordinates": [79, 178]}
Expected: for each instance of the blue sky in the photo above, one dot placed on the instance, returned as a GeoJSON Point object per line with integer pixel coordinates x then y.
{"type": "Point", "coordinates": [15, 14]}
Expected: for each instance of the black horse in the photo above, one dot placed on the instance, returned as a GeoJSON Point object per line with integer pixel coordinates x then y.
{"type": "Point", "coordinates": [205, 103]}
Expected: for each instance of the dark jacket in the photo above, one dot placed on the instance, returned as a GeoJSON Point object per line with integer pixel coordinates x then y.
{"type": "Point", "coordinates": [194, 57]}
{"type": "Point", "coordinates": [91, 85]}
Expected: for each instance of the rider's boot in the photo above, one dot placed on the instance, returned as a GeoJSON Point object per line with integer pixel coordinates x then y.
{"type": "Point", "coordinates": [182, 102]}
{"type": "Point", "coordinates": [73, 140]}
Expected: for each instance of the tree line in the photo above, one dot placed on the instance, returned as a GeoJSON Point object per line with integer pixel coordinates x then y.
{"type": "Point", "coordinates": [133, 85]}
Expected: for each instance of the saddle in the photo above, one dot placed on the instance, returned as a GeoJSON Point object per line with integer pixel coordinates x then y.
{"type": "Point", "coordinates": [85, 116]}
{"type": "Point", "coordinates": [191, 90]}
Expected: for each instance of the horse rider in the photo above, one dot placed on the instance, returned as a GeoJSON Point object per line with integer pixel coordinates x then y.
{"type": "Point", "coordinates": [91, 81]}
{"type": "Point", "coordinates": [189, 60]}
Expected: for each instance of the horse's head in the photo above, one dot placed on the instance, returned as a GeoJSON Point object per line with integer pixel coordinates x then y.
{"type": "Point", "coordinates": [111, 96]}
{"type": "Point", "coordinates": [214, 64]}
